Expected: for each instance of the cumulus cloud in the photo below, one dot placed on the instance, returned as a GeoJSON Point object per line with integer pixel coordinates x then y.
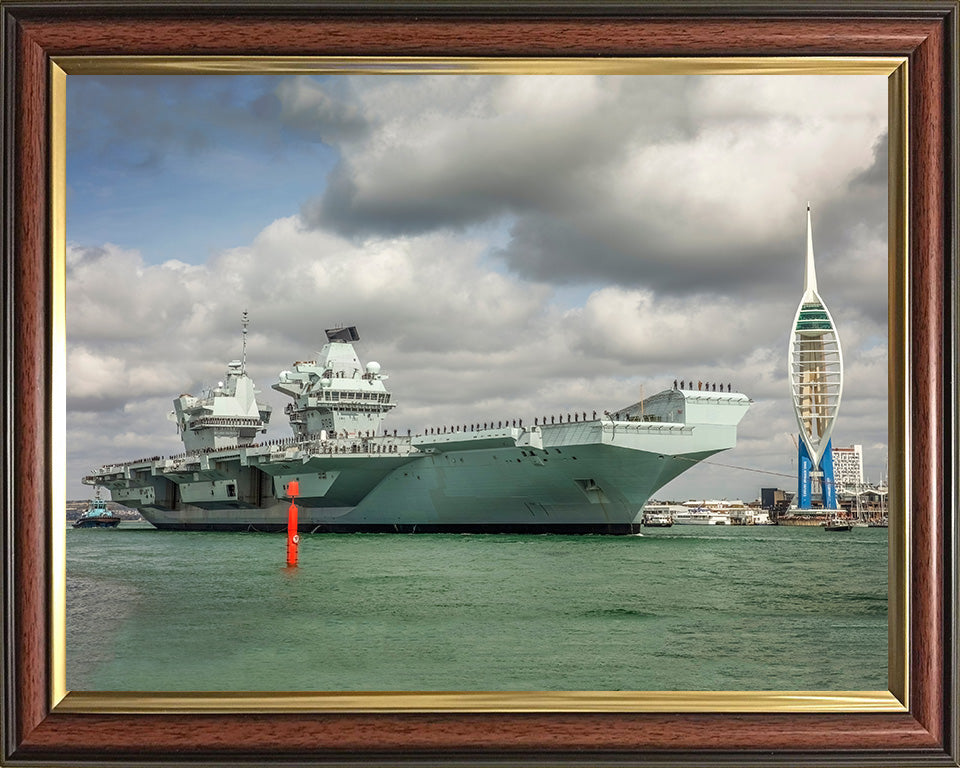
{"type": "Point", "coordinates": [638, 328]}
{"type": "Point", "coordinates": [116, 296]}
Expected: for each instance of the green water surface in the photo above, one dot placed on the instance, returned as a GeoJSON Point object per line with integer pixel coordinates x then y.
{"type": "Point", "coordinates": [683, 608]}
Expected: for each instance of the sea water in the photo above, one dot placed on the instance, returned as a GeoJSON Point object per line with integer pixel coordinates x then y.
{"type": "Point", "coordinates": [681, 608]}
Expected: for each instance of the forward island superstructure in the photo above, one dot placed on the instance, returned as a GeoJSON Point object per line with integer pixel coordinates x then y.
{"type": "Point", "coordinates": [581, 475]}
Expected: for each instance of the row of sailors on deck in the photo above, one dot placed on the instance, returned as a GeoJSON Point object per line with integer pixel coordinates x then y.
{"type": "Point", "coordinates": [475, 427]}
{"type": "Point", "coordinates": [132, 461]}
{"type": "Point", "coordinates": [700, 386]}
{"type": "Point", "coordinates": [576, 417]}
{"type": "Point", "coordinates": [510, 423]}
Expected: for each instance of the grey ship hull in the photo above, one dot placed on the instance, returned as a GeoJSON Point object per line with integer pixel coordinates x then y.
{"type": "Point", "coordinates": [581, 489]}
{"type": "Point", "coordinates": [586, 477]}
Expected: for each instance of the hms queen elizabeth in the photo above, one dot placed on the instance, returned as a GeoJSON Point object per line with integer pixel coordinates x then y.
{"type": "Point", "coordinates": [579, 475]}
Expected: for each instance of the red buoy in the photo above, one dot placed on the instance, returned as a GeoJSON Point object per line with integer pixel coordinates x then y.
{"type": "Point", "coordinates": [293, 538]}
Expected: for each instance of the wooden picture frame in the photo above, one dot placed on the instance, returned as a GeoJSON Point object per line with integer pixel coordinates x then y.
{"type": "Point", "coordinates": [37, 730]}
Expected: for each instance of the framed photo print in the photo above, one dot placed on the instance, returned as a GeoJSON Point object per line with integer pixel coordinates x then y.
{"type": "Point", "coordinates": [550, 383]}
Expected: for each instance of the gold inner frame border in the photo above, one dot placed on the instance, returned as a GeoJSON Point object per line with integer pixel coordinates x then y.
{"type": "Point", "coordinates": [139, 702]}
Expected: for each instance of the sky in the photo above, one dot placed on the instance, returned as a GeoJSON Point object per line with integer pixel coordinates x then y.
{"type": "Point", "coordinates": [507, 246]}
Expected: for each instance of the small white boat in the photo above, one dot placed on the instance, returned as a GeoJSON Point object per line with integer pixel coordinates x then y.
{"type": "Point", "coordinates": [701, 515]}
{"type": "Point", "coordinates": [657, 519]}
{"type": "Point", "coordinates": [718, 512]}
{"type": "Point", "coordinates": [659, 514]}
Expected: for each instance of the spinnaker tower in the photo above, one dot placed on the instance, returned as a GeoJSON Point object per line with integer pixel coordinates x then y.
{"type": "Point", "coordinates": [816, 385]}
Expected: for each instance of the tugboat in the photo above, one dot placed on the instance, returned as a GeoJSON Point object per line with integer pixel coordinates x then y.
{"type": "Point", "coordinates": [97, 516]}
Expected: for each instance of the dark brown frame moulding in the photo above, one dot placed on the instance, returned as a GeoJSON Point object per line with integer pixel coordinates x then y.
{"type": "Point", "coordinates": [925, 733]}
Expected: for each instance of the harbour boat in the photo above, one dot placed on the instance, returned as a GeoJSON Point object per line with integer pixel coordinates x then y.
{"type": "Point", "coordinates": [878, 522]}
{"type": "Point", "coordinates": [738, 513]}
{"type": "Point", "coordinates": [97, 516]}
{"type": "Point", "coordinates": [837, 524]}
{"type": "Point", "coordinates": [657, 516]}
{"type": "Point", "coordinates": [702, 512]}
{"type": "Point", "coordinates": [803, 517]}
{"type": "Point", "coordinates": [696, 517]}
{"type": "Point", "coordinates": [749, 516]}
{"type": "Point", "coordinates": [573, 474]}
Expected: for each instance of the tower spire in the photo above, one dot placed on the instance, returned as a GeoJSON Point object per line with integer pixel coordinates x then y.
{"type": "Point", "coordinates": [810, 276]}
{"type": "Point", "coordinates": [245, 319]}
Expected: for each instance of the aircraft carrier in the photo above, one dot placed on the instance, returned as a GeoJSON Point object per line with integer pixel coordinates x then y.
{"type": "Point", "coordinates": [585, 474]}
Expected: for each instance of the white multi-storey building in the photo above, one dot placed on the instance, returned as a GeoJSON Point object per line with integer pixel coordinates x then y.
{"type": "Point", "coordinates": [848, 467]}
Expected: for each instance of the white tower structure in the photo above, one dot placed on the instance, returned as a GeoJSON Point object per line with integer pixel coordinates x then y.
{"type": "Point", "coordinates": [816, 374]}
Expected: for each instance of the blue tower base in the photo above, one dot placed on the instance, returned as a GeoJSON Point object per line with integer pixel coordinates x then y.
{"type": "Point", "coordinates": [828, 486]}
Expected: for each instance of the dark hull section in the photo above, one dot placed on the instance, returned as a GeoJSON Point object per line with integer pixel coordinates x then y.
{"type": "Point", "coordinates": [610, 529]}
{"type": "Point", "coordinates": [97, 523]}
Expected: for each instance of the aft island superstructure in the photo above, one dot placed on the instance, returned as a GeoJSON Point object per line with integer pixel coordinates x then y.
{"type": "Point", "coordinates": [581, 475]}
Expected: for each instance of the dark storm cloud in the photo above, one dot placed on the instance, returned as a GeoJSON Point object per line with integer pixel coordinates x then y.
{"type": "Point", "coordinates": [508, 147]}
{"type": "Point", "coordinates": [704, 192]}
{"type": "Point", "coordinates": [876, 175]}
{"type": "Point", "coordinates": [691, 251]}
{"type": "Point", "coordinates": [851, 242]}
{"type": "Point", "coordinates": [413, 195]}
{"type": "Point", "coordinates": [543, 248]}
{"type": "Point", "coordinates": [685, 257]}
{"type": "Point", "coordinates": [340, 210]}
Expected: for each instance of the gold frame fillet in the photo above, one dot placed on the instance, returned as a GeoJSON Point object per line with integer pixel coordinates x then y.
{"type": "Point", "coordinates": [892, 700]}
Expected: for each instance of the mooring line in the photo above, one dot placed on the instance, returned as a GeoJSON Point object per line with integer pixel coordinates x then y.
{"type": "Point", "coordinates": [735, 466]}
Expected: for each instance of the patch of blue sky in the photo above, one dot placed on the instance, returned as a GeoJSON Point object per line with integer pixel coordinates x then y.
{"type": "Point", "coordinates": [496, 233]}
{"type": "Point", "coordinates": [574, 295]}
{"type": "Point", "coordinates": [873, 343]}
{"type": "Point", "coordinates": [183, 167]}
{"type": "Point", "coordinates": [219, 201]}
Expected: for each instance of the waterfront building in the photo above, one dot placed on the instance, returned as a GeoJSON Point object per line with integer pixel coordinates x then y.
{"type": "Point", "coordinates": [816, 383]}
{"type": "Point", "coordinates": [775, 499]}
